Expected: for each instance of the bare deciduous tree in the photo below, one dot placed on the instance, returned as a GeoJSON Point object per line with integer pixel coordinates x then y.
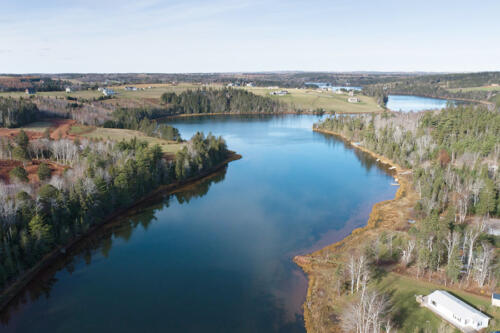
{"type": "Point", "coordinates": [482, 264]}
{"type": "Point", "coordinates": [407, 252]}
{"type": "Point", "coordinates": [368, 314]}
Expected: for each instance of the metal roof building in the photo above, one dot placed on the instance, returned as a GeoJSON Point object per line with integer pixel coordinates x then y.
{"type": "Point", "coordinates": [457, 312]}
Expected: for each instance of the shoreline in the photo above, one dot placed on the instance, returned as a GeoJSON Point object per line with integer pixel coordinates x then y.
{"type": "Point", "coordinates": [188, 115]}
{"type": "Point", "coordinates": [445, 98]}
{"type": "Point", "coordinates": [309, 263]}
{"type": "Point", "coordinates": [14, 288]}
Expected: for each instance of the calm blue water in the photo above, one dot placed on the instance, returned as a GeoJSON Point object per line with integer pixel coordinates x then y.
{"type": "Point", "coordinates": [216, 256]}
{"type": "Point", "coordinates": [407, 103]}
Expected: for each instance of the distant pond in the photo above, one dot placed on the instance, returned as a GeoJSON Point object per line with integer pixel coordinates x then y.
{"type": "Point", "coordinates": [407, 103]}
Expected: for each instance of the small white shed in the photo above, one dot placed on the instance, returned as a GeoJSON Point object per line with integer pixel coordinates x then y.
{"type": "Point", "coordinates": [495, 299]}
{"type": "Point", "coordinates": [455, 311]}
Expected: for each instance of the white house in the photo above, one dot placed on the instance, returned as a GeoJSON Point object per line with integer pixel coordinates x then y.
{"type": "Point", "coordinates": [68, 89]}
{"type": "Point", "coordinates": [495, 299]}
{"type": "Point", "coordinates": [279, 93]}
{"type": "Point", "coordinates": [353, 100]}
{"type": "Point", "coordinates": [456, 312]}
{"type": "Point", "coordinates": [108, 92]}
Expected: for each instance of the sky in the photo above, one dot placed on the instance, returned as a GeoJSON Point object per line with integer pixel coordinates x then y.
{"type": "Point", "coordinates": [192, 36]}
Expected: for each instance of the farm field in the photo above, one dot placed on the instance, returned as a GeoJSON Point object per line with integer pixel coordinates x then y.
{"type": "Point", "coordinates": [149, 95]}
{"type": "Point", "coordinates": [483, 88]}
{"type": "Point", "coordinates": [310, 99]}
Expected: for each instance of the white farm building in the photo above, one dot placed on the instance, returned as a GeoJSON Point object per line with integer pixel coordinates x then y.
{"type": "Point", "coordinates": [456, 312]}
{"type": "Point", "coordinates": [108, 92]}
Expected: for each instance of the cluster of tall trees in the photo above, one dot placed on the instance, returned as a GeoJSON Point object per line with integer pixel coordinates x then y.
{"type": "Point", "coordinates": [85, 112]}
{"type": "Point", "coordinates": [199, 154]}
{"type": "Point", "coordinates": [17, 112]}
{"type": "Point", "coordinates": [455, 157]}
{"type": "Point", "coordinates": [225, 100]}
{"type": "Point", "coordinates": [368, 310]}
{"type": "Point", "coordinates": [378, 92]}
{"type": "Point", "coordinates": [101, 177]}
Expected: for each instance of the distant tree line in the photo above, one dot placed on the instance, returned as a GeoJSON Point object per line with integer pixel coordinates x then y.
{"type": "Point", "coordinates": [37, 83]}
{"type": "Point", "coordinates": [219, 101]}
{"type": "Point", "coordinates": [17, 112]}
{"type": "Point", "coordinates": [440, 85]}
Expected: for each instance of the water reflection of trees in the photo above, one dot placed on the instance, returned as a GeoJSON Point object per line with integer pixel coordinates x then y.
{"type": "Point", "coordinates": [101, 241]}
{"type": "Point", "coordinates": [366, 160]}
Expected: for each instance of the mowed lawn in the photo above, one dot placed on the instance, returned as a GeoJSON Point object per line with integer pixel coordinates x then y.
{"type": "Point", "coordinates": [310, 99]}
{"type": "Point", "coordinates": [408, 313]}
{"type": "Point", "coordinates": [117, 134]}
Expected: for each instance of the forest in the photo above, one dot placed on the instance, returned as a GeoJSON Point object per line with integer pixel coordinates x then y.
{"type": "Point", "coordinates": [225, 100]}
{"type": "Point", "coordinates": [17, 112]}
{"type": "Point", "coordinates": [454, 155]}
{"type": "Point", "coordinates": [99, 178]}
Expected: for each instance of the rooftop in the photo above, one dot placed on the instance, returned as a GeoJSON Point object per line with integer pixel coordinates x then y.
{"type": "Point", "coordinates": [456, 305]}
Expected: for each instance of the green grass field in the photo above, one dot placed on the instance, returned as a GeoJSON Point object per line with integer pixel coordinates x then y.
{"type": "Point", "coordinates": [311, 99]}
{"type": "Point", "coordinates": [156, 90]}
{"type": "Point", "coordinates": [409, 314]}
{"type": "Point", "coordinates": [483, 88]}
{"type": "Point", "coordinates": [117, 134]}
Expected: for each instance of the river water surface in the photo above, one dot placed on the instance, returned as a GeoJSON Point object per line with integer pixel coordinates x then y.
{"type": "Point", "coordinates": [407, 103]}
{"type": "Point", "coordinates": [216, 256]}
